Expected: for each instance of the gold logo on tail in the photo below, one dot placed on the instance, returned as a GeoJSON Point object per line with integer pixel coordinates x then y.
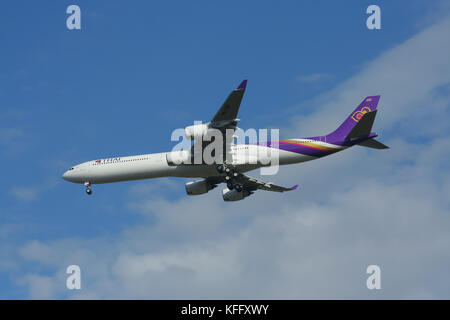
{"type": "Point", "coordinates": [357, 115]}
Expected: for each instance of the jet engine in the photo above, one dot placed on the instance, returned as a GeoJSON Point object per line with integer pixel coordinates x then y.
{"type": "Point", "coordinates": [197, 131]}
{"type": "Point", "coordinates": [178, 157]}
{"type": "Point", "coordinates": [233, 195]}
{"type": "Point", "coordinates": [198, 187]}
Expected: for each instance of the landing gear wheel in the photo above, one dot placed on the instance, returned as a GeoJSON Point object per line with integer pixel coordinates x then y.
{"type": "Point", "coordinates": [220, 168]}
{"type": "Point", "coordinates": [238, 188]}
{"type": "Point", "coordinates": [88, 187]}
{"type": "Point", "coordinates": [230, 185]}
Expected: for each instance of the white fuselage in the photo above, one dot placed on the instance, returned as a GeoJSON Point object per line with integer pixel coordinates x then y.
{"type": "Point", "coordinates": [244, 158]}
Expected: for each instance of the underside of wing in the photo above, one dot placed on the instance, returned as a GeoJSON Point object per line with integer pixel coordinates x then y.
{"type": "Point", "coordinates": [215, 180]}
{"type": "Point", "coordinates": [230, 108]}
{"type": "Point", "coordinates": [252, 184]}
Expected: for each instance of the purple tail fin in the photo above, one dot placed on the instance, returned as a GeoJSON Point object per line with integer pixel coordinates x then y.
{"type": "Point", "coordinates": [368, 104]}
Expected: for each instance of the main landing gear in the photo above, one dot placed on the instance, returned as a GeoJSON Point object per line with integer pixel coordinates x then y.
{"type": "Point", "coordinates": [88, 188]}
{"type": "Point", "coordinates": [231, 174]}
{"type": "Point", "coordinates": [221, 168]}
{"type": "Point", "coordinates": [229, 170]}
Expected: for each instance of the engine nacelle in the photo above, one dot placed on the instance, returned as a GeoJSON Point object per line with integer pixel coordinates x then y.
{"type": "Point", "coordinates": [175, 158]}
{"type": "Point", "coordinates": [197, 131]}
{"type": "Point", "coordinates": [198, 187]}
{"type": "Point", "coordinates": [233, 195]}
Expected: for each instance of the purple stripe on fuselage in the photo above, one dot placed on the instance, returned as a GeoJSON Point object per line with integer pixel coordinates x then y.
{"type": "Point", "coordinates": [293, 147]}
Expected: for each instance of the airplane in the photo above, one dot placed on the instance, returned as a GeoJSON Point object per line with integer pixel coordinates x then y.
{"type": "Point", "coordinates": [355, 130]}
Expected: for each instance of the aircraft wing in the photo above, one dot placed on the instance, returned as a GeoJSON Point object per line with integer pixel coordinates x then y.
{"type": "Point", "coordinates": [227, 113]}
{"type": "Point", "coordinates": [251, 184]}
{"type": "Point", "coordinates": [225, 120]}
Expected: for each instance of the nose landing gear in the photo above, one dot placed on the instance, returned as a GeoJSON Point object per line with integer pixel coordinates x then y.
{"type": "Point", "coordinates": [88, 188]}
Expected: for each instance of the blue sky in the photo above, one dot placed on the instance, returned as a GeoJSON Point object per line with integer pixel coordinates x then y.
{"type": "Point", "coordinates": [135, 72]}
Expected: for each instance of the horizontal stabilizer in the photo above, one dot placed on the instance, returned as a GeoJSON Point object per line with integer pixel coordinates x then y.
{"type": "Point", "coordinates": [364, 126]}
{"type": "Point", "coordinates": [374, 144]}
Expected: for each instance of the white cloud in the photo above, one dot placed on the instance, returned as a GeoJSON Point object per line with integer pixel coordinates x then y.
{"type": "Point", "coordinates": [39, 287]}
{"type": "Point", "coordinates": [25, 193]}
{"type": "Point", "coordinates": [33, 193]}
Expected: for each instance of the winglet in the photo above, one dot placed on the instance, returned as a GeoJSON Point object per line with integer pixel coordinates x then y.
{"type": "Point", "coordinates": [294, 187]}
{"type": "Point", "coordinates": [242, 85]}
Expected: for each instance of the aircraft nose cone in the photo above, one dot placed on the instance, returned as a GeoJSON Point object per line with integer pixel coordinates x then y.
{"type": "Point", "coordinates": [65, 176]}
